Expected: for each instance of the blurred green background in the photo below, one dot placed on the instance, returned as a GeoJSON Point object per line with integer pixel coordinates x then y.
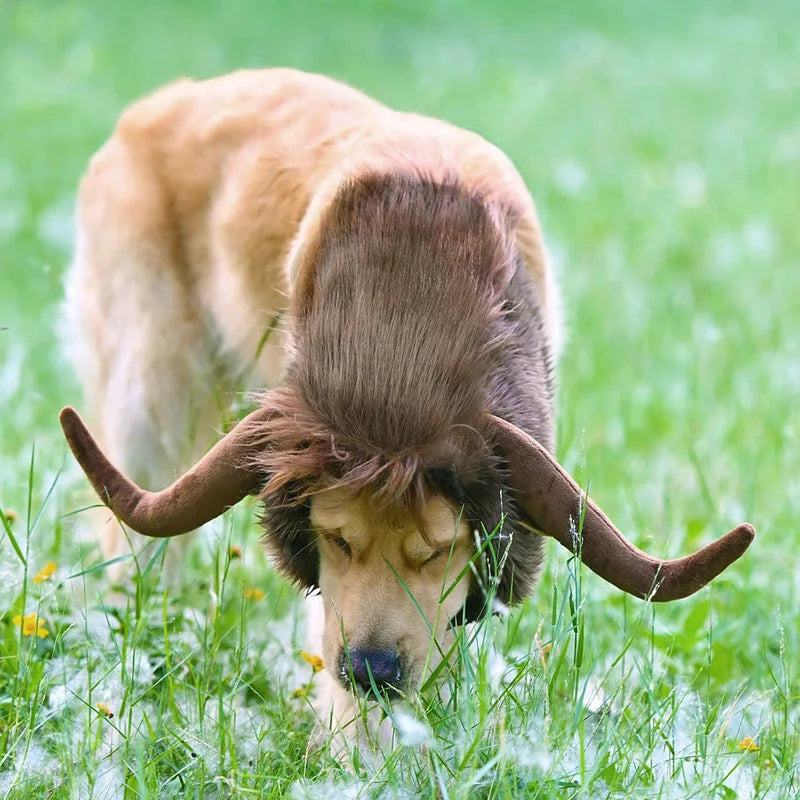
{"type": "Point", "coordinates": [661, 143]}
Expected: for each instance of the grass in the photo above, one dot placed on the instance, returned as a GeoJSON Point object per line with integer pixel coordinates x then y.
{"type": "Point", "coordinates": [662, 146]}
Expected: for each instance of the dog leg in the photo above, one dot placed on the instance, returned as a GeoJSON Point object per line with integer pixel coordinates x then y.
{"type": "Point", "coordinates": [138, 339]}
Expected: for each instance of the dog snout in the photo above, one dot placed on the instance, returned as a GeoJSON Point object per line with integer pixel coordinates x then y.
{"type": "Point", "coordinates": [384, 665]}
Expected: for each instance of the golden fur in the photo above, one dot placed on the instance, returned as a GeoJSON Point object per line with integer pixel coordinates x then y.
{"type": "Point", "coordinates": [199, 226]}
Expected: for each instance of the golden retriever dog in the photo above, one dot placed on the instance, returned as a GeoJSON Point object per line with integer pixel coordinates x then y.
{"type": "Point", "coordinates": [381, 277]}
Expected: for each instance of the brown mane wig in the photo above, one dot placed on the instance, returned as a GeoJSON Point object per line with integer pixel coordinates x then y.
{"type": "Point", "coordinates": [395, 366]}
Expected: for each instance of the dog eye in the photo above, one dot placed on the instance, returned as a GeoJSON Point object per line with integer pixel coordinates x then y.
{"type": "Point", "coordinates": [436, 555]}
{"type": "Point", "coordinates": [341, 543]}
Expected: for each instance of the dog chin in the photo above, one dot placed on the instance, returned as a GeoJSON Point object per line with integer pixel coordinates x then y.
{"type": "Point", "coordinates": [350, 724]}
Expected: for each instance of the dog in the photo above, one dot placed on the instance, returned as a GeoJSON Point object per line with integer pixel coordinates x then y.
{"type": "Point", "coordinates": [382, 277]}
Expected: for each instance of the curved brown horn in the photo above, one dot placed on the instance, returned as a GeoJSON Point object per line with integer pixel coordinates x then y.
{"type": "Point", "coordinates": [552, 500]}
{"type": "Point", "coordinates": [217, 482]}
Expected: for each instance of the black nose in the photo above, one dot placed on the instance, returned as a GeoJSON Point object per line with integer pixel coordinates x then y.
{"type": "Point", "coordinates": [383, 664]}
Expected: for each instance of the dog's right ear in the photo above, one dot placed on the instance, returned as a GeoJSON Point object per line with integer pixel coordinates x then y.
{"type": "Point", "coordinates": [223, 477]}
{"type": "Point", "coordinates": [555, 505]}
{"type": "Point", "coordinates": [289, 537]}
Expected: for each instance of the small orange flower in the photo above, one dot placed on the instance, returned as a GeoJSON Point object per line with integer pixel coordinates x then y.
{"type": "Point", "coordinates": [32, 625]}
{"type": "Point", "coordinates": [105, 710]}
{"type": "Point", "coordinates": [316, 662]}
{"type": "Point", "coordinates": [234, 551]}
{"type": "Point", "coordinates": [748, 744]}
{"type": "Point", "coordinates": [45, 572]}
{"type": "Point", "coordinates": [10, 514]}
{"type": "Point", "coordinates": [253, 593]}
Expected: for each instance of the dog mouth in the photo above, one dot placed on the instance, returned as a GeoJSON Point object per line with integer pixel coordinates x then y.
{"type": "Point", "coordinates": [390, 694]}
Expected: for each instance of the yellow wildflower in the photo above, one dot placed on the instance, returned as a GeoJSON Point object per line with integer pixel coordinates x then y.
{"type": "Point", "coordinates": [32, 624]}
{"type": "Point", "coordinates": [45, 572]}
{"type": "Point", "coordinates": [253, 593]}
{"type": "Point", "coordinates": [105, 710]}
{"type": "Point", "coordinates": [234, 551]}
{"type": "Point", "coordinates": [316, 662]}
{"type": "Point", "coordinates": [301, 692]}
{"type": "Point", "coordinates": [749, 744]}
{"type": "Point", "coordinates": [11, 515]}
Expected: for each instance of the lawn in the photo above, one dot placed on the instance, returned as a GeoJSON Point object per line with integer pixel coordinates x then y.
{"type": "Point", "coordinates": [661, 142]}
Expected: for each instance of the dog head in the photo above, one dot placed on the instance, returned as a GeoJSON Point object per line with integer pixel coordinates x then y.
{"type": "Point", "coordinates": [397, 570]}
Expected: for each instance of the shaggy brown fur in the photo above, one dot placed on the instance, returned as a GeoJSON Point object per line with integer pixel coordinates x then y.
{"type": "Point", "coordinates": [393, 361]}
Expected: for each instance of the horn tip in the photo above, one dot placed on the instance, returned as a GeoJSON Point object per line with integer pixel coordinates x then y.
{"type": "Point", "coordinates": [75, 432]}
{"type": "Point", "coordinates": [745, 534]}
{"type": "Point", "coordinates": [68, 416]}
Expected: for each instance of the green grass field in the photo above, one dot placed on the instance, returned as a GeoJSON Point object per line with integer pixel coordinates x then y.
{"type": "Point", "coordinates": [661, 142]}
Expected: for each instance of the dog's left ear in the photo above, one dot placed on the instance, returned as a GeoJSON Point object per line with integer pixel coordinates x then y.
{"type": "Point", "coordinates": [555, 504]}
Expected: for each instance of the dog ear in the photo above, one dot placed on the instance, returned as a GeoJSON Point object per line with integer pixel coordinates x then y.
{"type": "Point", "coordinates": [553, 501]}
{"type": "Point", "coordinates": [510, 557]}
{"type": "Point", "coordinates": [289, 538]}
